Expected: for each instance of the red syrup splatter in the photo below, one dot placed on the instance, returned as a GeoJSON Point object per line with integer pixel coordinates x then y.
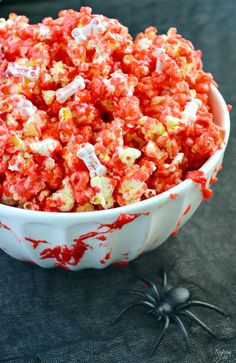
{"type": "Point", "coordinates": [72, 255]}
{"type": "Point", "coordinates": [218, 168]}
{"type": "Point", "coordinates": [126, 254]}
{"type": "Point", "coordinates": [187, 210]}
{"type": "Point", "coordinates": [179, 221]}
{"type": "Point", "coordinates": [198, 176]}
{"type": "Point", "coordinates": [122, 220]}
{"type": "Point", "coordinates": [174, 195]}
{"type": "Point", "coordinates": [124, 262]}
{"type": "Point", "coordinates": [4, 226]}
{"type": "Point", "coordinates": [176, 231]}
{"type": "Point", "coordinates": [66, 255]}
{"type": "Point", "coordinates": [35, 242]}
{"type": "Point", "coordinates": [213, 180]}
{"type": "Point", "coordinates": [106, 258]}
{"type": "Point", "coordinates": [102, 238]}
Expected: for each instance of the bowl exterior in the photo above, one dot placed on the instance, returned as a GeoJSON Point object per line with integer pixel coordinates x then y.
{"type": "Point", "coordinates": [97, 239]}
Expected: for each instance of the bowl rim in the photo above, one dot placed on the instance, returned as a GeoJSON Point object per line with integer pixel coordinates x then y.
{"type": "Point", "coordinates": [135, 207]}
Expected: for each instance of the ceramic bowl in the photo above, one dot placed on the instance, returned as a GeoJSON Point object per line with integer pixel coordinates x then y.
{"type": "Point", "coordinates": [97, 239]}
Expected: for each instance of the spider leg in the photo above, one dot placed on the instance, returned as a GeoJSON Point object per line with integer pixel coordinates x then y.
{"type": "Point", "coordinates": [164, 283]}
{"type": "Point", "coordinates": [165, 326]}
{"type": "Point", "coordinates": [203, 304]}
{"type": "Point", "coordinates": [129, 306]}
{"type": "Point", "coordinates": [143, 294]}
{"type": "Point", "coordinates": [183, 330]}
{"type": "Point", "coordinates": [193, 317]}
{"type": "Point", "coordinates": [150, 283]}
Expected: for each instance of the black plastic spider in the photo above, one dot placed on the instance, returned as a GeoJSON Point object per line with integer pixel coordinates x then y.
{"type": "Point", "coordinates": [168, 304]}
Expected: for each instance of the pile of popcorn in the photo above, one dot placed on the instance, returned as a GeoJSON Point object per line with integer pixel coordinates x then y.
{"type": "Point", "coordinates": [91, 119]}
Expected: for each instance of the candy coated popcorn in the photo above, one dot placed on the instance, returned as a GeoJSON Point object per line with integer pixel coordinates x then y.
{"type": "Point", "coordinates": [158, 54]}
{"type": "Point", "coordinates": [190, 111]}
{"type": "Point", "coordinates": [91, 119]}
{"type": "Point", "coordinates": [104, 195]}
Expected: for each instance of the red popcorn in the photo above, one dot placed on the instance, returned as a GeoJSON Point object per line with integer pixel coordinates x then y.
{"type": "Point", "coordinates": [91, 119]}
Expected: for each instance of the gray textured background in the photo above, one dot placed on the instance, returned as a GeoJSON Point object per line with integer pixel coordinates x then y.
{"type": "Point", "coordinates": [56, 316]}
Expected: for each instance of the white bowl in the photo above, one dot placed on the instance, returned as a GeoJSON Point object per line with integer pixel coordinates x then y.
{"type": "Point", "coordinates": [80, 240]}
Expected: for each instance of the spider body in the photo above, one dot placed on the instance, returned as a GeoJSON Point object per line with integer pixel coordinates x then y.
{"type": "Point", "coordinates": [171, 300]}
{"type": "Point", "coordinates": [167, 305]}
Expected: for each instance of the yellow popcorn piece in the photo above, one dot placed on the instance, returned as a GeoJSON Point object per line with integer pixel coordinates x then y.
{"type": "Point", "coordinates": [172, 122]}
{"type": "Point", "coordinates": [193, 93]}
{"type": "Point", "coordinates": [221, 137]}
{"type": "Point", "coordinates": [133, 138]}
{"type": "Point", "coordinates": [15, 38]}
{"type": "Point", "coordinates": [30, 128]}
{"type": "Point", "coordinates": [29, 205]}
{"type": "Point", "coordinates": [57, 71]}
{"type": "Point", "coordinates": [19, 87]}
{"type": "Point", "coordinates": [104, 196]}
{"type": "Point", "coordinates": [157, 129]}
{"type": "Point", "coordinates": [43, 195]}
{"type": "Point", "coordinates": [173, 51]}
{"type": "Point", "coordinates": [68, 157]}
{"type": "Point", "coordinates": [48, 97]}
{"type": "Point", "coordinates": [128, 155]}
{"type": "Point", "coordinates": [65, 196]}
{"type": "Point", "coordinates": [151, 127]}
{"type": "Point", "coordinates": [102, 154]}
{"type": "Point", "coordinates": [32, 63]}
{"type": "Point", "coordinates": [16, 142]}
{"type": "Point", "coordinates": [186, 67]}
{"type": "Point", "coordinates": [131, 191]}
{"type": "Point", "coordinates": [103, 157]}
{"type": "Point", "coordinates": [171, 32]}
{"type": "Point", "coordinates": [7, 200]}
{"type": "Point", "coordinates": [65, 114]}
{"type": "Point", "coordinates": [88, 207]}
{"type": "Point", "coordinates": [48, 77]}
{"type": "Point", "coordinates": [152, 150]}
